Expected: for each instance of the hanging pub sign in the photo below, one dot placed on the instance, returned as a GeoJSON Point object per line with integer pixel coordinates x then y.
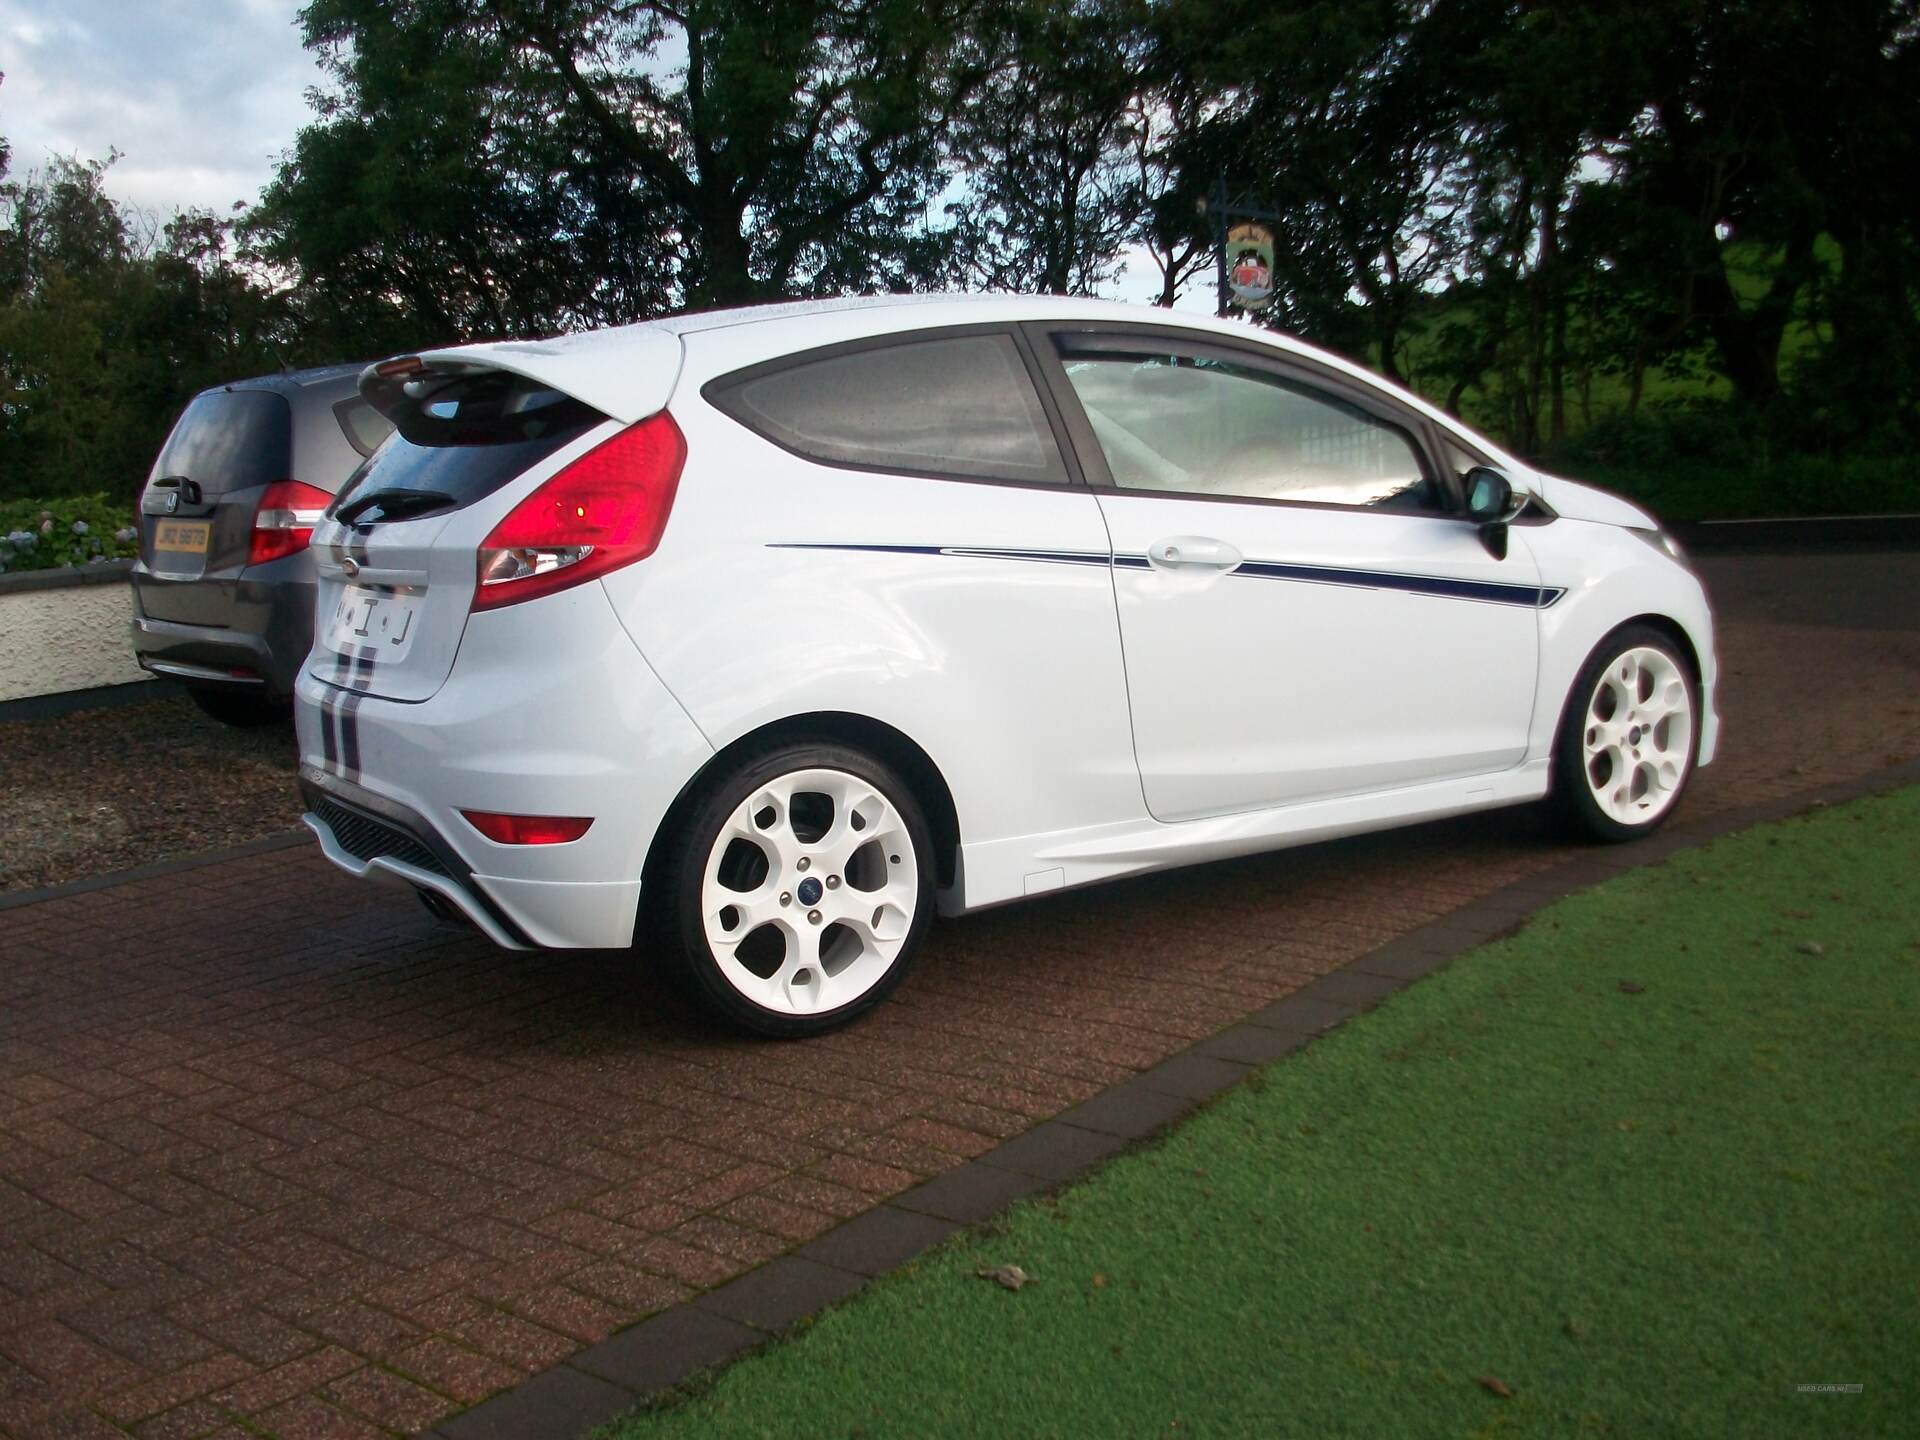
{"type": "Point", "coordinates": [1250, 266]}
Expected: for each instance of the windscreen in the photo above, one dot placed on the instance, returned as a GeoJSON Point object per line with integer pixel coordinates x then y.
{"type": "Point", "coordinates": [458, 439]}
{"type": "Point", "coordinates": [230, 440]}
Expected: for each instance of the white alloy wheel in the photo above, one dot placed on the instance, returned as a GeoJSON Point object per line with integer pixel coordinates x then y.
{"type": "Point", "coordinates": [1637, 742]}
{"type": "Point", "coordinates": [809, 892]}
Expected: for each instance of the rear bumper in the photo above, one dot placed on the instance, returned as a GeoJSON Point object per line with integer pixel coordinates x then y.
{"type": "Point", "coordinates": [269, 634]}
{"type": "Point", "coordinates": [523, 725]}
{"type": "Point", "coordinates": [202, 655]}
{"type": "Point", "coordinates": [376, 839]}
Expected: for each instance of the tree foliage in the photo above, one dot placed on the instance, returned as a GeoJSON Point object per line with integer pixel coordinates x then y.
{"type": "Point", "coordinates": [108, 321]}
{"type": "Point", "coordinates": [1537, 213]}
{"type": "Point", "coordinates": [496, 166]}
{"type": "Point", "coordinates": [1051, 148]}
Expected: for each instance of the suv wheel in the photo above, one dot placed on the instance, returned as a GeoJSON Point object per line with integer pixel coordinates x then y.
{"type": "Point", "coordinates": [1627, 740]}
{"type": "Point", "coordinates": [242, 709]}
{"type": "Point", "coordinates": [798, 890]}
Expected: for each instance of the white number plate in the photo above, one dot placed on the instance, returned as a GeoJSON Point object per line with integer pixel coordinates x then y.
{"type": "Point", "coordinates": [379, 623]}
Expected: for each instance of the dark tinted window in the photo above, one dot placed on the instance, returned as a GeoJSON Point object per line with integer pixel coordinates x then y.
{"type": "Point", "coordinates": [463, 438]}
{"type": "Point", "coordinates": [1207, 427]}
{"type": "Point", "coordinates": [962, 405]}
{"type": "Point", "coordinates": [364, 426]}
{"type": "Point", "coordinates": [230, 440]}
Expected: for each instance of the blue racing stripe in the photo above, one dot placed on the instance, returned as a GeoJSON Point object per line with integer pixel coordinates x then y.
{"type": "Point", "coordinates": [1498, 592]}
{"type": "Point", "coordinates": [1492, 592]}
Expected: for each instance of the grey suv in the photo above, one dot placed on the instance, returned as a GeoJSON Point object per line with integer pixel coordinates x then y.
{"type": "Point", "coordinates": [223, 588]}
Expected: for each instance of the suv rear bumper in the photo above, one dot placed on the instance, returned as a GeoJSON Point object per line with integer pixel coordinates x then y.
{"type": "Point", "coordinates": [270, 632]}
{"type": "Point", "coordinates": [205, 655]}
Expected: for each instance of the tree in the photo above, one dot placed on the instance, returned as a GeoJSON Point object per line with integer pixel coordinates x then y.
{"type": "Point", "coordinates": [1052, 150]}
{"type": "Point", "coordinates": [108, 322]}
{"type": "Point", "coordinates": [1170, 226]}
{"type": "Point", "coordinates": [1766, 126]}
{"type": "Point", "coordinates": [516, 165]}
{"type": "Point", "coordinates": [1338, 116]}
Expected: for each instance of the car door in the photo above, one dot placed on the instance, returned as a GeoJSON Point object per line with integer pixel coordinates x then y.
{"type": "Point", "coordinates": [1304, 612]}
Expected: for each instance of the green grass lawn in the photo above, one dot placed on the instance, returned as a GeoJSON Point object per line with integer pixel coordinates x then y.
{"type": "Point", "coordinates": [1649, 1166]}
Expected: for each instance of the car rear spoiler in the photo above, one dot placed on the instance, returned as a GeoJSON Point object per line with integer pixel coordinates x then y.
{"type": "Point", "coordinates": [626, 374]}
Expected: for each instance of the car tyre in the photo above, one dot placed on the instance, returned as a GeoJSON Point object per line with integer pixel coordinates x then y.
{"type": "Point", "coordinates": [1628, 737]}
{"type": "Point", "coordinates": [793, 896]}
{"type": "Point", "coordinates": [242, 709]}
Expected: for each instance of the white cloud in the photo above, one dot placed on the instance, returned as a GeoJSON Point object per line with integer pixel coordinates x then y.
{"type": "Point", "coordinates": [199, 96]}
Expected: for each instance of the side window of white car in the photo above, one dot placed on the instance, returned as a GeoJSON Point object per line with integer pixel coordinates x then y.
{"type": "Point", "coordinates": [960, 406]}
{"type": "Point", "coordinates": [1207, 427]}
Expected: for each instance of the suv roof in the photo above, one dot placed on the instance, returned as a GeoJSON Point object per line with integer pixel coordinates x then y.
{"type": "Point", "coordinates": [293, 380]}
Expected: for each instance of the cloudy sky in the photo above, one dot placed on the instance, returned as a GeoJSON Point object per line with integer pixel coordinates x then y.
{"type": "Point", "coordinates": [200, 96]}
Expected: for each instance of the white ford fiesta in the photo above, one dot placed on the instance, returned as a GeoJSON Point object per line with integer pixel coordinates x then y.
{"type": "Point", "coordinates": [764, 633]}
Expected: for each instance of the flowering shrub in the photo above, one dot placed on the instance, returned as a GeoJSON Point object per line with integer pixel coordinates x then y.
{"type": "Point", "coordinates": [72, 530]}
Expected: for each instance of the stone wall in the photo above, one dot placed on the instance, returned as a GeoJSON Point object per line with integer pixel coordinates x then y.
{"type": "Point", "coordinates": [66, 630]}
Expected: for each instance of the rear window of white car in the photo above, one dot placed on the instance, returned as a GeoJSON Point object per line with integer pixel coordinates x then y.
{"type": "Point", "coordinates": [459, 439]}
{"type": "Point", "coordinates": [962, 406]}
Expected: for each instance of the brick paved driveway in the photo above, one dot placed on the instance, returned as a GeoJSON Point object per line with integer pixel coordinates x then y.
{"type": "Point", "coordinates": [278, 1156]}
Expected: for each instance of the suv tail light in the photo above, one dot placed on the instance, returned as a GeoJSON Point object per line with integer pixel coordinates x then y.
{"type": "Point", "coordinates": [605, 510]}
{"type": "Point", "coordinates": [284, 522]}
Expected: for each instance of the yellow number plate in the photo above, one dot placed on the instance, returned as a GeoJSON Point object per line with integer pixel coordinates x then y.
{"type": "Point", "coordinates": [182, 537]}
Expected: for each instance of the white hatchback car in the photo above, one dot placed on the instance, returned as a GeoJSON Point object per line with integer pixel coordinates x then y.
{"type": "Point", "coordinates": [766, 632]}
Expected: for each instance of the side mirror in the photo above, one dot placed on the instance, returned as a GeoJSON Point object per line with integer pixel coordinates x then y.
{"type": "Point", "coordinates": [1493, 501]}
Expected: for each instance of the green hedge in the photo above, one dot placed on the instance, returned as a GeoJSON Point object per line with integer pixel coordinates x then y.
{"type": "Point", "coordinates": [1681, 490]}
{"type": "Point", "coordinates": [70, 530]}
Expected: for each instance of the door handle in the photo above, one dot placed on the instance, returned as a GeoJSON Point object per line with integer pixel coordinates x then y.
{"type": "Point", "coordinates": [1192, 552]}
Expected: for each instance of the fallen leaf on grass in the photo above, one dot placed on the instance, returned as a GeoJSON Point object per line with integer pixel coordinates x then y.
{"type": "Point", "coordinates": [1007, 1277]}
{"type": "Point", "coordinates": [1099, 1282]}
{"type": "Point", "coordinates": [1631, 987]}
{"type": "Point", "coordinates": [1494, 1385]}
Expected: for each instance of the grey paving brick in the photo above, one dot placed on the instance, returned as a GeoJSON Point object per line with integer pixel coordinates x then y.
{"type": "Point", "coordinates": [558, 1404]}
{"type": "Point", "coordinates": [781, 1292]}
{"type": "Point", "coordinates": [1054, 1150]}
{"type": "Point", "coordinates": [1129, 1110]}
{"type": "Point", "coordinates": [1195, 1076]}
{"type": "Point", "coordinates": [969, 1194]}
{"type": "Point", "coordinates": [665, 1349]}
{"type": "Point", "coordinates": [880, 1240]}
{"type": "Point", "coordinates": [1252, 1044]}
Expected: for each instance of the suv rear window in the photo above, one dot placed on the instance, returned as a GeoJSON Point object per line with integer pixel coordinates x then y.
{"type": "Point", "coordinates": [959, 405]}
{"type": "Point", "coordinates": [463, 437]}
{"type": "Point", "coordinates": [230, 440]}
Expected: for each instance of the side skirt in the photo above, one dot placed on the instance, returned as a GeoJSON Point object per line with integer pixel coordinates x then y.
{"type": "Point", "coordinates": [995, 872]}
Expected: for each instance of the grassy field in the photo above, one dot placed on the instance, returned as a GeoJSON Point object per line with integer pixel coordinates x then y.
{"type": "Point", "coordinates": [1646, 1169]}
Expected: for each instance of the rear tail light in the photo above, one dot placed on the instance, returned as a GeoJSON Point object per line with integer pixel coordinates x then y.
{"type": "Point", "coordinates": [528, 829]}
{"type": "Point", "coordinates": [284, 522]}
{"type": "Point", "coordinates": [605, 510]}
